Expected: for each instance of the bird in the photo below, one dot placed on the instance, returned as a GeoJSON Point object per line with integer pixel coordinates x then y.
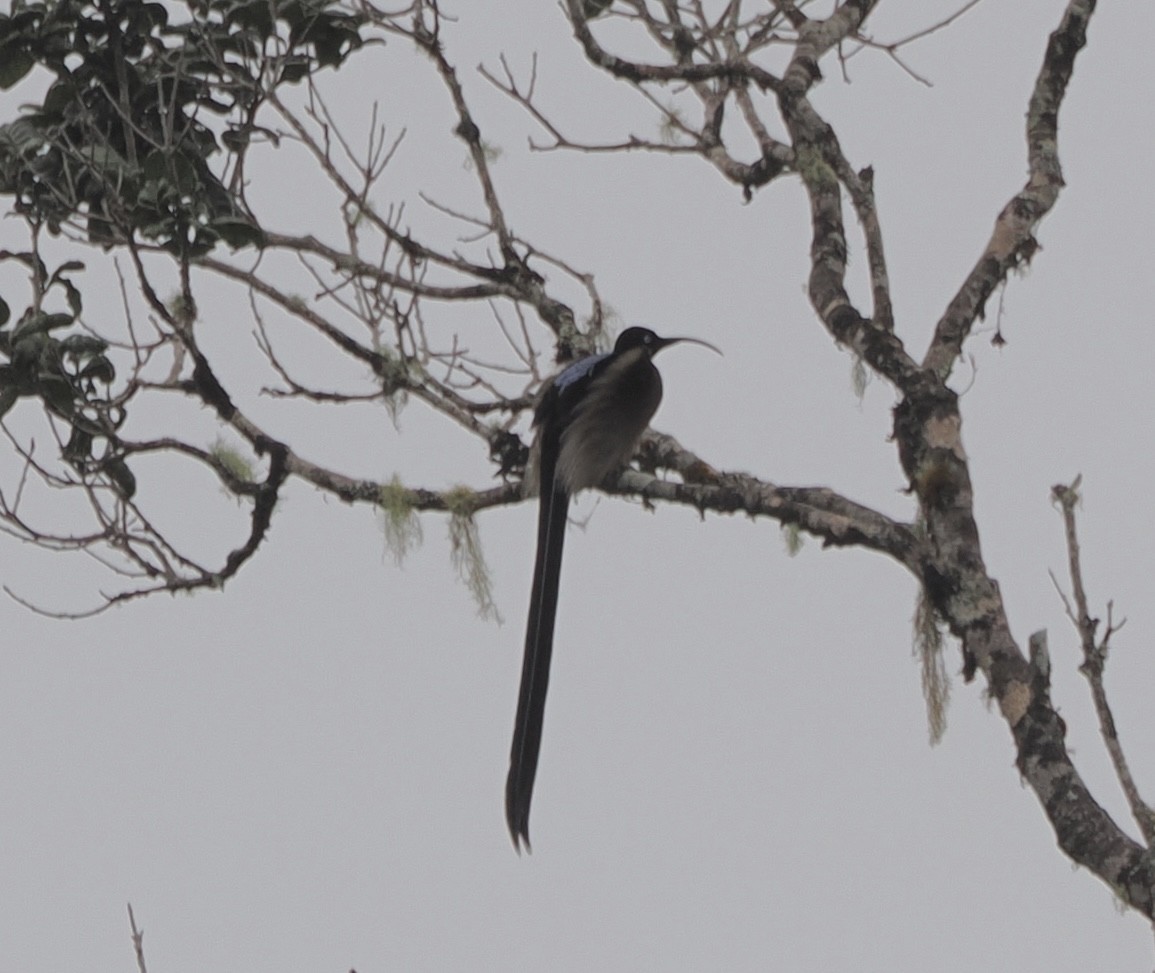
{"type": "Point", "coordinates": [589, 418]}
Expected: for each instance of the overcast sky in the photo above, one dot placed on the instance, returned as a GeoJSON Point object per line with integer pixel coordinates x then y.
{"type": "Point", "coordinates": [305, 771]}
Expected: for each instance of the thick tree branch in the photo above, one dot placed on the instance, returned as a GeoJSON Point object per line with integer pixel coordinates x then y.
{"type": "Point", "coordinates": [1012, 243]}
{"type": "Point", "coordinates": [821, 163]}
{"type": "Point", "coordinates": [820, 511]}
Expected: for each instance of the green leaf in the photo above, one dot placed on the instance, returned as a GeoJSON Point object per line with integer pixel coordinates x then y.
{"type": "Point", "coordinates": [41, 323]}
{"type": "Point", "coordinates": [14, 64]}
{"type": "Point", "coordinates": [295, 13]}
{"type": "Point", "coordinates": [21, 136]}
{"type": "Point", "coordinates": [117, 470]}
{"type": "Point", "coordinates": [157, 14]}
{"type": "Point", "coordinates": [58, 394]}
{"type": "Point", "coordinates": [82, 346]}
{"type": "Point", "coordinates": [203, 242]}
{"type": "Point", "coordinates": [236, 139]}
{"type": "Point", "coordinates": [100, 369]}
{"type": "Point", "coordinates": [595, 8]}
{"type": "Point", "coordinates": [328, 47]}
{"type": "Point", "coordinates": [8, 396]}
{"type": "Point", "coordinates": [254, 15]}
{"type": "Point", "coordinates": [173, 168]}
{"type": "Point", "coordinates": [54, 321]}
{"type": "Point", "coordinates": [155, 166]}
{"type": "Point", "coordinates": [294, 68]}
{"type": "Point", "coordinates": [72, 292]}
{"type": "Point", "coordinates": [104, 159]}
{"type": "Point", "coordinates": [72, 295]}
{"type": "Point", "coordinates": [78, 449]}
{"type": "Point", "coordinates": [59, 97]}
{"type": "Point", "coordinates": [238, 232]}
{"type": "Point", "coordinates": [33, 262]}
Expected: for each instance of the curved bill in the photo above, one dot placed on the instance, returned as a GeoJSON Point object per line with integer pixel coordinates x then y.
{"type": "Point", "coordinates": [666, 342]}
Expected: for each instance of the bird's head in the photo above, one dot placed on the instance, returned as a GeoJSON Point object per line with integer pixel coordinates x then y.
{"type": "Point", "coordinates": [651, 343]}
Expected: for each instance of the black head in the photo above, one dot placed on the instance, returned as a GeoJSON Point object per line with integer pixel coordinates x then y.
{"type": "Point", "coordinates": [651, 343]}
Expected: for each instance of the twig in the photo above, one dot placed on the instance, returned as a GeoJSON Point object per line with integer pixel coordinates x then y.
{"type": "Point", "coordinates": [1095, 659]}
{"type": "Point", "coordinates": [137, 941]}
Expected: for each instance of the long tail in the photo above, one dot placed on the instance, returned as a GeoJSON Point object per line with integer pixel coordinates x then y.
{"type": "Point", "coordinates": [535, 666]}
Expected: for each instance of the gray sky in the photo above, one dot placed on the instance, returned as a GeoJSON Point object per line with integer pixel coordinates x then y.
{"type": "Point", "coordinates": [305, 771]}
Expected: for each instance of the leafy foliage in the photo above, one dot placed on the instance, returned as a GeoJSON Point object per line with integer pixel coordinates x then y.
{"type": "Point", "coordinates": [70, 375]}
{"type": "Point", "coordinates": [138, 141]}
{"type": "Point", "coordinates": [141, 104]}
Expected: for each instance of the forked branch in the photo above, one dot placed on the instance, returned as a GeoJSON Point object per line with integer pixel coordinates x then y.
{"type": "Point", "coordinates": [1095, 648]}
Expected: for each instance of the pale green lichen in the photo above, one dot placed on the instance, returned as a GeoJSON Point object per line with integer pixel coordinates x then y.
{"type": "Point", "coordinates": [671, 129]}
{"type": "Point", "coordinates": [399, 521]}
{"type": "Point", "coordinates": [183, 310]}
{"type": "Point", "coordinates": [490, 151]}
{"type": "Point", "coordinates": [859, 378]}
{"type": "Point", "coordinates": [235, 463]}
{"type": "Point", "coordinates": [814, 169]}
{"type": "Point", "coordinates": [394, 374]}
{"type": "Point", "coordinates": [792, 538]}
{"type": "Point", "coordinates": [355, 212]}
{"type": "Point", "coordinates": [465, 550]}
{"type": "Point", "coordinates": [928, 645]}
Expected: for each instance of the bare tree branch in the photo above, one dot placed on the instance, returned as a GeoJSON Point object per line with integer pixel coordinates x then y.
{"type": "Point", "coordinates": [137, 941]}
{"type": "Point", "coordinates": [1012, 244]}
{"type": "Point", "coordinates": [1067, 497]}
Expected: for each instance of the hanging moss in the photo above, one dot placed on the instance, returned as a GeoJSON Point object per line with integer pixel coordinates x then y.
{"type": "Point", "coordinates": [466, 552]}
{"type": "Point", "coordinates": [399, 520]}
{"type": "Point", "coordinates": [928, 646]}
{"type": "Point", "coordinates": [792, 537]}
